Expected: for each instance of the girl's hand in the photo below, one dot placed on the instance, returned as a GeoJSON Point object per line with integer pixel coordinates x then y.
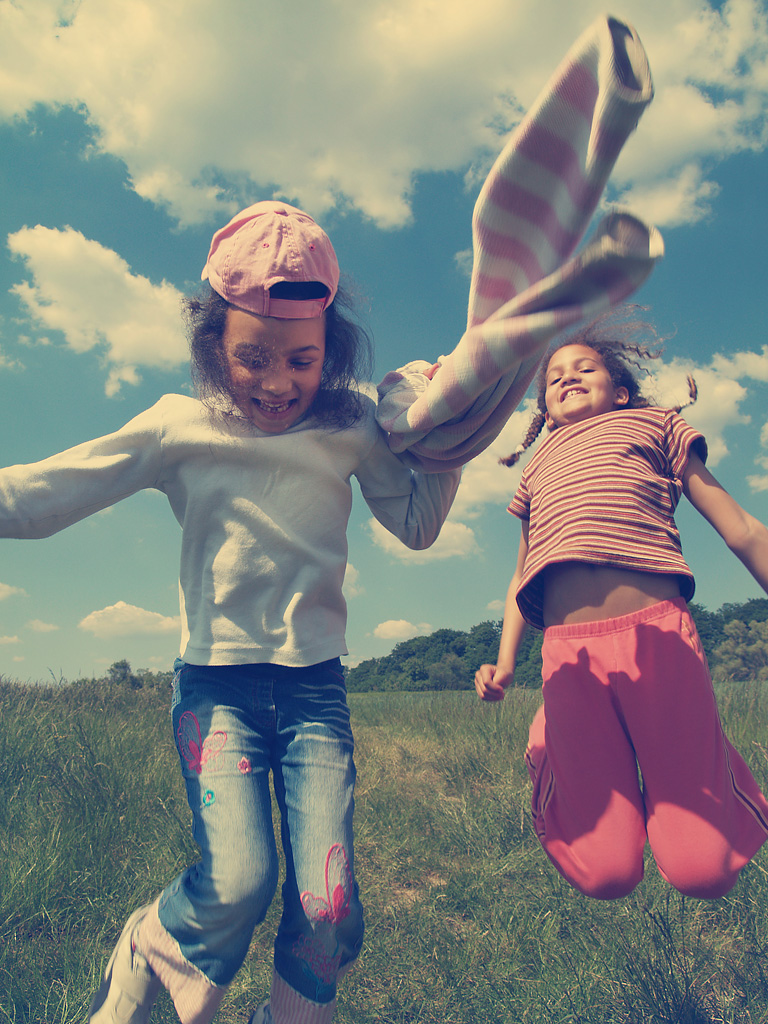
{"type": "Point", "coordinates": [491, 682]}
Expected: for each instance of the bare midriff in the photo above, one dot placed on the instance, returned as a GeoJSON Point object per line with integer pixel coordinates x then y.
{"type": "Point", "coordinates": [579, 592]}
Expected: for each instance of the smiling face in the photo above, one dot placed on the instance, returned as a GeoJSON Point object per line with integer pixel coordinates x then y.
{"type": "Point", "coordinates": [275, 366]}
{"type": "Point", "coordinates": [578, 386]}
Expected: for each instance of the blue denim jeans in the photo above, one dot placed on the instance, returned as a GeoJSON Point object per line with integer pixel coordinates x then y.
{"type": "Point", "coordinates": [233, 726]}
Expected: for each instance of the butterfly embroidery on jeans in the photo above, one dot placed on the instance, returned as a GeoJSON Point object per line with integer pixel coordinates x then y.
{"type": "Point", "coordinates": [338, 889]}
{"type": "Point", "coordinates": [196, 752]}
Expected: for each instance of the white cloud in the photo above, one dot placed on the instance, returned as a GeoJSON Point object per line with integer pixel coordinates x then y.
{"type": "Point", "coordinates": [40, 340]}
{"type": "Point", "coordinates": [88, 293]}
{"type": "Point", "coordinates": [495, 606]}
{"type": "Point", "coordinates": [6, 640]}
{"type": "Point", "coordinates": [341, 102]}
{"type": "Point", "coordinates": [6, 591]}
{"type": "Point", "coordinates": [717, 408]}
{"type": "Point", "coordinates": [6, 363]}
{"type": "Point", "coordinates": [464, 260]}
{"type": "Point", "coordinates": [744, 364]}
{"type": "Point", "coordinates": [710, 71]}
{"type": "Point", "coordinates": [400, 629]}
{"type": "Point", "coordinates": [327, 123]}
{"type": "Point", "coordinates": [759, 481]}
{"type": "Point", "coordinates": [123, 619]}
{"type": "Point", "coordinates": [38, 626]}
{"type": "Point", "coordinates": [456, 540]}
{"type": "Point", "coordinates": [351, 586]}
{"type": "Point", "coordinates": [683, 198]}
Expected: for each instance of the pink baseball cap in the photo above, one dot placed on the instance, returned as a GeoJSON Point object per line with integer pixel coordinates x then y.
{"type": "Point", "coordinates": [267, 244]}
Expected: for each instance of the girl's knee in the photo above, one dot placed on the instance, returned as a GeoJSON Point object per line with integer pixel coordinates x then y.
{"type": "Point", "coordinates": [613, 886]}
{"type": "Point", "coordinates": [246, 891]}
{"type": "Point", "coordinates": [700, 878]}
{"type": "Point", "coordinates": [706, 889]}
{"type": "Point", "coordinates": [700, 861]}
{"type": "Point", "coordinates": [610, 885]}
{"type": "Point", "coordinates": [599, 877]}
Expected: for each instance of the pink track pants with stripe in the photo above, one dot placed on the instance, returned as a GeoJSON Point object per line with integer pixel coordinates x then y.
{"type": "Point", "coordinates": [632, 692]}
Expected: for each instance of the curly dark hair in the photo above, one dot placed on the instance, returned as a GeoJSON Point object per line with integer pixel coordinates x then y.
{"type": "Point", "coordinates": [618, 338]}
{"type": "Point", "coordinates": [348, 356]}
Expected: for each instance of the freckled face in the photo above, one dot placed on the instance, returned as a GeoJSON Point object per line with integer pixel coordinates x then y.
{"type": "Point", "coordinates": [579, 387]}
{"type": "Point", "coordinates": [275, 366]}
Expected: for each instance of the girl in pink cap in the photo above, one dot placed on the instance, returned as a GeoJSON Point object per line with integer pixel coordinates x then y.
{"type": "Point", "coordinates": [257, 471]}
{"type": "Point", "coordinates": [626, 684]}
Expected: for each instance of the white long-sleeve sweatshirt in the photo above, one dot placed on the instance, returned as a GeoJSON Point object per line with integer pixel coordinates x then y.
{"type": "Point", "coordinates": [263, 517]}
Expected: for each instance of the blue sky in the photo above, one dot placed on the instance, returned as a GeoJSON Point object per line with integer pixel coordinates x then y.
{"type": "Point", "coordinates": [131, 129]}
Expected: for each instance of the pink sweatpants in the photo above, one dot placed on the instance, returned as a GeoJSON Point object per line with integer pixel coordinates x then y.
{"type": "Point", "coordinates": [628, 692]}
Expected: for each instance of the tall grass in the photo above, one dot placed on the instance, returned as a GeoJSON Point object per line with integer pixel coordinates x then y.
{"type": "Point", "coordinates": [466, 920]}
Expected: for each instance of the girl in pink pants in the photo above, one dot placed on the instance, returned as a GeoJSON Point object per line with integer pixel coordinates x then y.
{"type": "Point", "coordinates": [626, 683]}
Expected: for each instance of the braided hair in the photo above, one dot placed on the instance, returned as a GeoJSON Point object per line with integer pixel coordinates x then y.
{"type": "Point", "coordinates": [618, 338]}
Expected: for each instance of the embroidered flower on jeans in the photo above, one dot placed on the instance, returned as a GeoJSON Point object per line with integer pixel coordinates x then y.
{"type": "Point", "coordinates": [310, 948]}
{"type": "Point", "coordinates": [196, 752]}
{"type": "Point", "coordinates": [244, 765]}
{"type": "Point", "coordinates": [320, 950]}
{"type": "Point", "coordinates": [338, 889]}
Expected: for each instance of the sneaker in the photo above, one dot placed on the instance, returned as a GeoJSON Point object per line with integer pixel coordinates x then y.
{"type": "Point", "coordinates": [129, 987]}
{"type": "Point", "coordinates": [261, 1015]}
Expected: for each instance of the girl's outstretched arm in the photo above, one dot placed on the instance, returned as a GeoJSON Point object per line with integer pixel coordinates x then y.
{"type": "Point", "coordinates": [491, 681]}
{"type": "Point", "coordinates": [42, 498]}
{"type": "Point", "coordinates": [746, 536]}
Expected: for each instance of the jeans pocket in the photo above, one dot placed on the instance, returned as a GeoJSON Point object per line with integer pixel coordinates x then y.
{"type": "Point", "coordinates": [178, 665]}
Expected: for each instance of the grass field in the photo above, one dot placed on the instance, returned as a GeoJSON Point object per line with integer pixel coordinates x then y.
{"type": "Point", "coordinates": [466, 920]}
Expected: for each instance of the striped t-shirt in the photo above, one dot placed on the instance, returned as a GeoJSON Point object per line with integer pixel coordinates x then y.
{"type": "Point", "coordinates": [604, 491]}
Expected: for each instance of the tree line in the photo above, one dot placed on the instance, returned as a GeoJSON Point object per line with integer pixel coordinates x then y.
{"type": "Point", "coordinates": [734, 638]}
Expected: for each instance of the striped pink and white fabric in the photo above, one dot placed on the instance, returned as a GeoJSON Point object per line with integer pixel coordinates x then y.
{"type": "Point", "coordinates": [527, 285]}
{"type": "Point", "coordinates": [288, 1006]}
{"type": "Point", "coordinates": [195, 998]}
